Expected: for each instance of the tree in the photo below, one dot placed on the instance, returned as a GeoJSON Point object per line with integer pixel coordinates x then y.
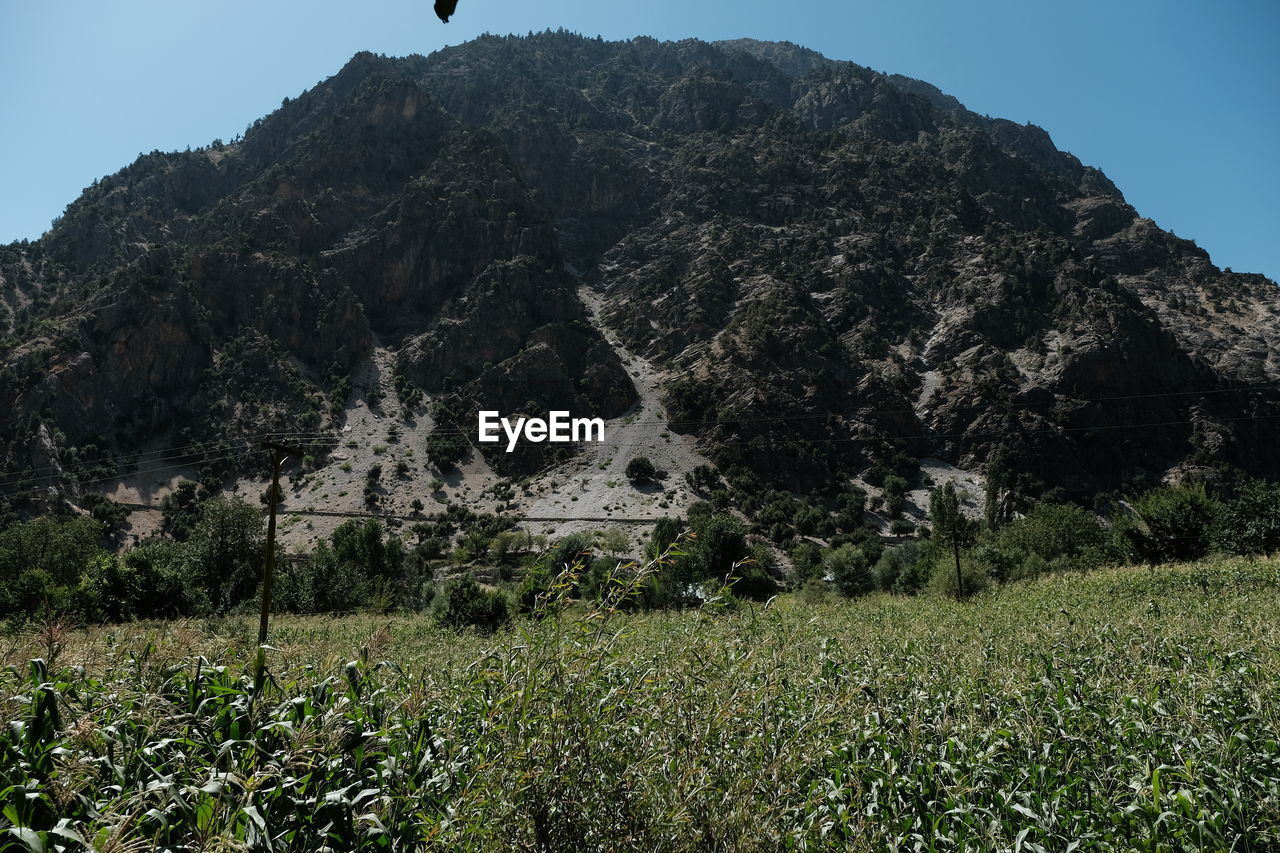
{"type": "Point", "coordinates": [998, 505]}
{"type": "Point", "coordinates": [721, 542]}
{"type": "Point", "coordinates": [895, 490]}
{"type": "Point", "coordinates": [613, 541]}
{"type": "Point", "coordinates": [703, 480]}
{"type": "Point", "coordinates": [362, 545]}
{"type": "Point", "coordinates": [467, 604]}
{"type": "Point", "coordinates": [1171, 524]}
{"type": "Point", "coordinates": [666, 531]}
{"type": "Point", "coordinates": [950, 525]}
{"type": "Point", "coordinates": [1064, 533]}
{"type": "Point", "coordinates": [641, 470]}
{"type": "Point", "coordinates": [42, 560]}
{"type": "Point", "coordinates": [572, 552]}
{"type": "Point", "coordinates": [806, 564]}
{"type": "Point", "coordinates": [226, 550]}
{"type": "Point", "coordinates": [850, 570]}
{"type": "Point", "coordinates": [1250, 522]}
{"type": "Point", "coordinates": [446, 447]}
{"type": "Point", "coordinates": [181, 510]}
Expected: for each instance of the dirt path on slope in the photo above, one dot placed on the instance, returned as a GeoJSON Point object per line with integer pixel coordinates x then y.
{"type": "Point", "coordinates": [594, 485]}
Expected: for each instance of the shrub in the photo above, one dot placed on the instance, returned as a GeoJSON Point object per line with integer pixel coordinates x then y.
{"type": "Point", "coordinates": [445, 447]}
{"type": "Point", "coordinates": [147, 582]}
{"type": "Point", "coordinates": [703, 480]}
{"type": "Point", "coordinates": [756, 578]}
{"type": "Point", "coordinates": [573, 551]}
{"type": "Point", "coordinates": [1053, 530]}
{"type": "Point", "coordinates": [468, 605]}
{"type": "Point", "coordinates": [181, 510]}
{"type": "Point", "coordinates": [806, 564]}
{"type": "Point", "coordinates": [721, 542]}
{"type": "Point", "coordinates": [850, 570]}
{"type": "Point", "coordinates": [901, 569]}
{"type": "Point", "coordinates": [110, 514]}
{"type": "Point", "coordinates": [503, 546]}
{"type": "Point", "coordinates": [1170, 524]}
{"type": "Point", "coordinates": [813, 592]}
{"type": "Point", "coordinates": [1250, 522]}
{"type": "Point", "coordinates": [973, 574]}
{"type": "Point", "coordinates": [895, 490]}
{"type": "Point", "coordinates": [641, 470]}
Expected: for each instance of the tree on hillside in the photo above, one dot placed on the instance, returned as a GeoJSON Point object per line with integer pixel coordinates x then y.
{"type": "Point", "coordinates": [181, 510]}
{"type": "Point", "coordinates": [950, 525]}
{"type": "Point", "coordinates": [641, 470]}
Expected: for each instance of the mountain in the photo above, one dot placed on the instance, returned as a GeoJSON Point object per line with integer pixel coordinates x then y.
{"type": "Point", "coordinates": [804, 271]}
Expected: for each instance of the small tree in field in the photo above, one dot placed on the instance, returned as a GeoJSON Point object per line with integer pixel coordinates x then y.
{"type": "Point", "coordinates": [950, 525]}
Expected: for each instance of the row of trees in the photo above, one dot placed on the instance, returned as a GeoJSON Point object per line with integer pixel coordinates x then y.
{"type": "Point", "coordinates": [1167, 524]}
{"type": "Point", "coordinates": [211, 561]}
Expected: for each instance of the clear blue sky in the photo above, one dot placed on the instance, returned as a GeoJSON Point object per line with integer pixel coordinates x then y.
{"type": "Point", "coordinates": [1177, 101]}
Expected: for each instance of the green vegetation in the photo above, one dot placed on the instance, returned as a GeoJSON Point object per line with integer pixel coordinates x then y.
{"type": "Point", "coordinates": [857, 725]}
{"type": "Point", "coordinates": [641, 470]}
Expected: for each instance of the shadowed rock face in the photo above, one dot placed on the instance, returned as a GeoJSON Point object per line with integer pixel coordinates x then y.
{"type": "Point", "coordinates": [834, 264]}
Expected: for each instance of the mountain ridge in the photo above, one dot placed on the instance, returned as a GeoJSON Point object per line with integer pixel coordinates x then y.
{"type": "Point", "coordinates": [828, 267]}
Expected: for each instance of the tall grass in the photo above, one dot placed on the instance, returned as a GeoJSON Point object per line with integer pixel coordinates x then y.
{"type": "Point", "coordinates": [1117, 710]}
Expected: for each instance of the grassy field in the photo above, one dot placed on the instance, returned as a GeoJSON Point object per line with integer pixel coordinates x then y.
{"type": "Point", "coordinates": [1125, 709]}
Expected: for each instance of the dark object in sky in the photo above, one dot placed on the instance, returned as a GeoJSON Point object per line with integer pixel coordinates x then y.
{"type": "Point", "coordinates": [444, 8]}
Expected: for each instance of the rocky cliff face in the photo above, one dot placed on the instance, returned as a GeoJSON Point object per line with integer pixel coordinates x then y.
{"type": "Point", "coordinates": [834, 266]}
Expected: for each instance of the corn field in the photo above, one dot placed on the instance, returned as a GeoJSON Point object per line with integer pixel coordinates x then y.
{"type": "Point", "coordinates": [1116, 710]}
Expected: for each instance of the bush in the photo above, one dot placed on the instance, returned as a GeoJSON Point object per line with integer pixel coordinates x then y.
{"type": "Point", "coordinates": [901, 569]}
{"type": "Point", "coordinates": [1170, 524]}
{"type": "Point", "coordinates": [813, 592]}
{"type": "Point", "coordinates": [806, 564]}
{"type": "Point", "coordinates": [943, 580]}
{"type": "Point", "coordinates": [721, 542]}
{"type": "Point", "coordinates": [1250, 522]}
{"type": "Point", "coordinates": [641, 470]}
{"type": "Point", "coordinates": [665, 533]}
{"type": "Point", "coordinates": [146, 582]}
{"type": "Point", "coordinates": [895, 490]}
{"type": "Point", "coordinates": [574, 550]}
{"type": "Point", "coordinates": [110, 514]}
{"type": "Point", "coordinates": [535, 587]}
{"type": "Point", "coordinates": [181, 510]}
{"type": "Point", "coordinates": [756, 579]}
{"type": "Point", "coordinates": [445, 447]}
{"type": "Point", "coordinates": [1053, 530]}
{"type": "Point", "coordinates": [703, 480]}
{"type": "Point", "coordinates": [850, 570]}
{"type": "Point", "coordinates": [468, 605]}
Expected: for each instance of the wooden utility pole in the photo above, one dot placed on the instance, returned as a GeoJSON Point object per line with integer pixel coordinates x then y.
{"type": "Point", "coordinates": [278, 453]}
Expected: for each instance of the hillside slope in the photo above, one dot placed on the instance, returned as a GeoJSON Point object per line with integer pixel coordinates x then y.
{"type": "Point", "coordinates": [813, 269]}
